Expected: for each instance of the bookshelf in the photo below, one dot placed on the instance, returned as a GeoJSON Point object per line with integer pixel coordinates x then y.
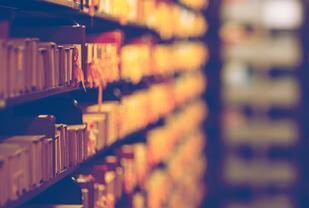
{"type": "Point", "coordinates": [68, 40]}
{"type": "Point", "coordinates": [247, 152]}
{"type": "Point", "coordinates": [134, 137]}
{"type": "Point", "coordinates": [72, 170]}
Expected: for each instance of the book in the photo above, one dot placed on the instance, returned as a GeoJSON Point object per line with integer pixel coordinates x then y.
{"type": "Point", "coordinates": [40, 78]}
{"type": "Point", "coordinates": [112, 113]}
{"type": "Point", "coordinates": [69, 49]}
{"type": "Point", "coordinates": [73, 146]}
{"type": "Point", "coordinates": [11, 67]}
{"type": "Point", "coordinates": [49, 64]}
{"type": "Point", "coordinates": [26, 62]}
{"type": "Point", "coordinates": [78, 141]}
{"type": "Point", "coordinates": [97, 128]}
{"type": "Point", "coordinates": [58, 153]}
{"type": "Point", "coordinates": [3, 174]}
{"type": "Point", "coordinates": [62, 61]}
{"type": "Point", "coordinates": [64, 150]}
{"type": "Point", "coordinates": [48, 165]}
{"type": "Point", "coordinates": [3, 68]}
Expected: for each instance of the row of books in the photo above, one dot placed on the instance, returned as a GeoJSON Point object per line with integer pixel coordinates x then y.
{"type": "Point", "coordinates": [113, 180]}
{"type": "Point", "coordinates": [112, 117]}
{"type": "Point", "coordinates": [141, 59]}
{"type": "Point", "coordinates": [132, 168]}
{"type": "Point", "coordinates": [27, 64]}
{"type": "Point", "coordinates": [29, 160]}
{"type": "Point", "coordinates": [172, 95]}
{"type": "Point", "coordinates": [169, 136]}
{"type": "Point", "coordinates": [102, 185]}
{"type": "Point", "coordinates": [64, 146]}
{"type": "Point", "coordinates": [180, 184]}
{"type": "Point", "coordinates": [169, 19]}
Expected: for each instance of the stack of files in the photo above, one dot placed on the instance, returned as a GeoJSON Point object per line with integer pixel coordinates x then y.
{"type": "Point", "coordinates": [102, 63]}
{"type": "Point", "coordinates": [103, 123]}
{"type": "Point", "coordinates": [102, 57]}
{"type": "Point", "coordinates": [29, 65]}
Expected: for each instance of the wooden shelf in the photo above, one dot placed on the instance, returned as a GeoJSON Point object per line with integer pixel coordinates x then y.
{"type": "Point", "coordinates": [44, 5]}
{"type": "Point", "coordinates": [102, 22]}
{"type": "Point", "coordinates": [79, 92]}
{"type": "Point", "coordinates": [33, 96]}
{"type": "Point", "coordinates": [57, 12]}
{"type": "Point", "coordinates": [64, 11]}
